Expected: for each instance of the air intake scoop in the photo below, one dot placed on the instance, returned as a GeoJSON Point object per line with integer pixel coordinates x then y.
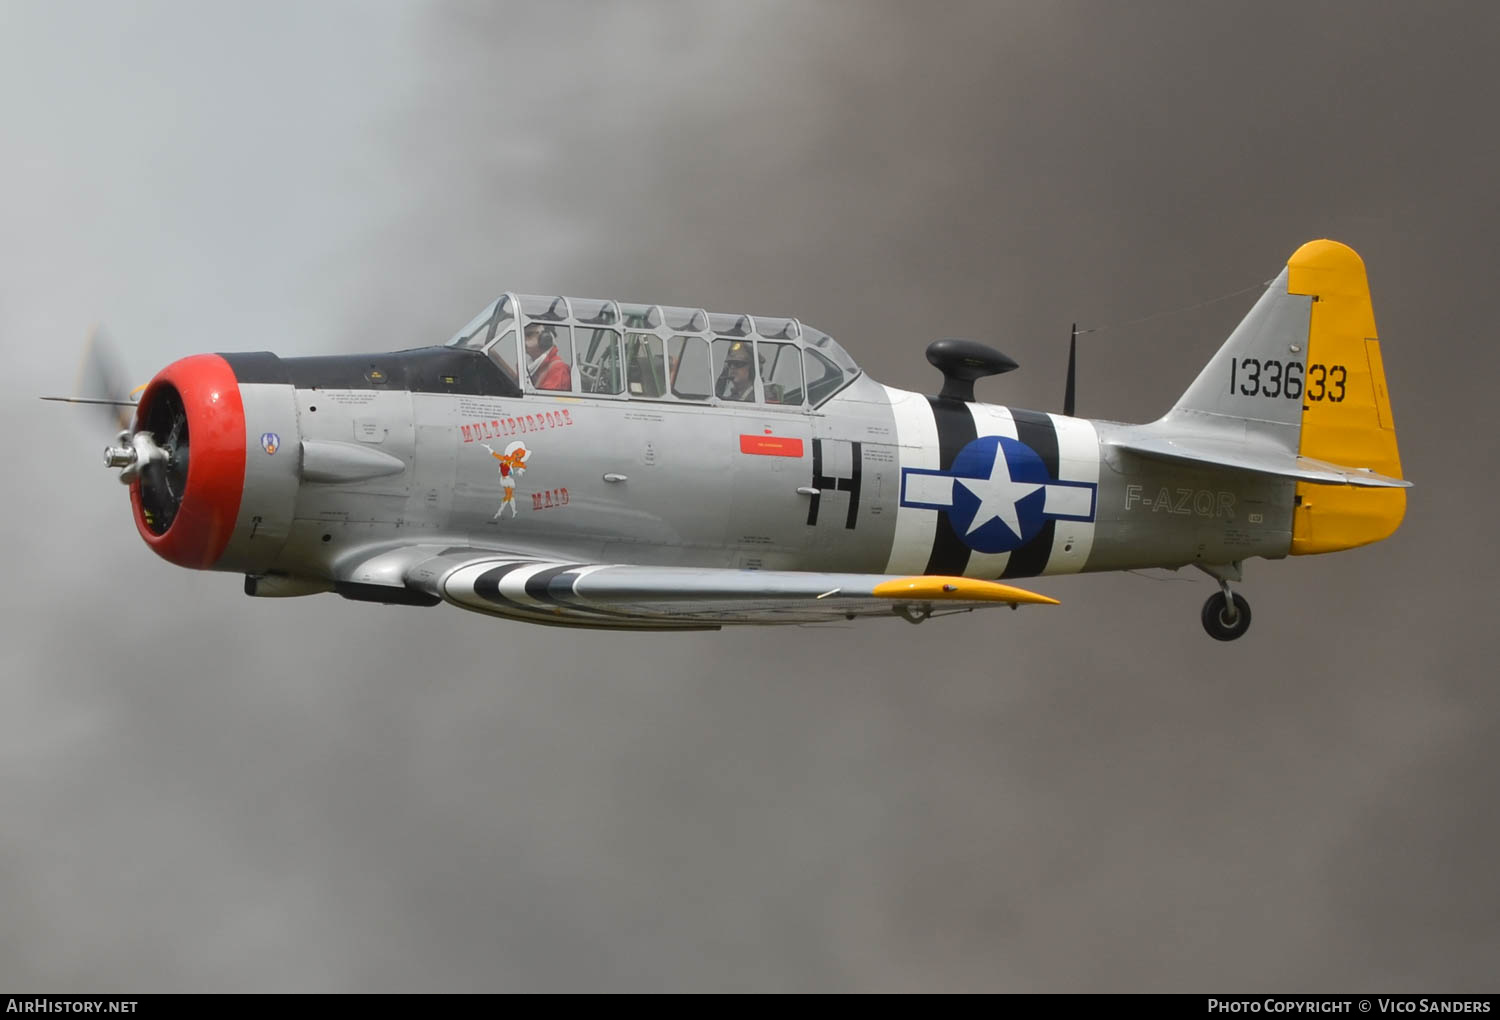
{"type": "Point", "coordinates": [963, 361]}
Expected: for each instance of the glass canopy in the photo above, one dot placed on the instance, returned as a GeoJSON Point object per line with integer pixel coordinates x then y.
{"type": "Point", "coordinates": [657, 352]}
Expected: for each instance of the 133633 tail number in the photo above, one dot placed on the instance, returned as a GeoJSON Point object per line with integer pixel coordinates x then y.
{"type": "Point", "coordinates": [1267, 377]}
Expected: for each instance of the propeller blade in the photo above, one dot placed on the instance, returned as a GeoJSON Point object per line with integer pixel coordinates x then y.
{"type": "Point", "coordinates": [102, 381]}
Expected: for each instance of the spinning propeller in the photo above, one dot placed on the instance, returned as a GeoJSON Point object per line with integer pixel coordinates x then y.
{"type": "Point", "coordinates": [154, 449]}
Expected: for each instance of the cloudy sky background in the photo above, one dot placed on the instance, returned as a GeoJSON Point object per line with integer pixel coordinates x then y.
{"type": "Point", "coordinates": [200, 791]}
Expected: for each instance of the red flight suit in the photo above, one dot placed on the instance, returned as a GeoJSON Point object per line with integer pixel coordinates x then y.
{"type": "Point", "coordinates": [553, 373]}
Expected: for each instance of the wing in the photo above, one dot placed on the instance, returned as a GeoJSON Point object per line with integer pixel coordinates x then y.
{"type": "Point", "coordinates": [623, 596]}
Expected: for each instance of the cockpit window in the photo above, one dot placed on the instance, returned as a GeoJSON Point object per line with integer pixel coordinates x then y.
{"type": "Point", "coordinates": [781, 373]}
{"type": "Point", "coordinates": [729, 325]}
{"type": "Point", "coordinates": [594, 313]}
{"type": "Point", "coordinates": [599, 361]}
{"type": "Point", "coordinates": [483, 327]}
{"type": "Point", "coordinates": [640, 316]}
{"type": "Point", "coordinates": [547, 307]}
{"type": "Point", "coordinates": [644, 365]}
{"type": "Point", "coordinates": [772, 328]}
{"type": "Point", "coordinates": [503, 353]}
{"type": "Point", "coordinates": [829, 348]}
{"type": "Point", "coordinates": [687, 359]}
{"type": "Point", "coordinates": [685, 320]}
{"type": "Point", "coordinates": [823, 377]}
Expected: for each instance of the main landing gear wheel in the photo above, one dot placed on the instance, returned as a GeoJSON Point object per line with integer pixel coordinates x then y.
{"type": "Point", "coordinates": [1223, 621]}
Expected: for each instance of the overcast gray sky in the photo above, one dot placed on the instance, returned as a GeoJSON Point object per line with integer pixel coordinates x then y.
{"type": "Point", "coordinates": [201, 791]}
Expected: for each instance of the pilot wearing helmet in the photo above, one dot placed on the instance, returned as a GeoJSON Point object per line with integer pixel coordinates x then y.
{"type": "Point", "coordinates": [547, 368]}
{"type": "Point", "coordinates": [737, 379]}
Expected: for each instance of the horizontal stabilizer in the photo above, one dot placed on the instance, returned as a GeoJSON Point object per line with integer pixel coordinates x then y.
{"type": "Point", "coordinates": [1262, 459]}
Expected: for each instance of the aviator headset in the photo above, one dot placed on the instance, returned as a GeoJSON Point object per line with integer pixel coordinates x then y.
{"type": "Point", "coordinates": [547, 338]}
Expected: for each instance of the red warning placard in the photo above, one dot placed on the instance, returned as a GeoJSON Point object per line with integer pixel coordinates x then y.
{"type": "Point", "coordinates": [771, 446]}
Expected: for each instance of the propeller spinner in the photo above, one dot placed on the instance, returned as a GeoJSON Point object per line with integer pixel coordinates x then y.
{"type": "Point", "coordinates": [184, 506]}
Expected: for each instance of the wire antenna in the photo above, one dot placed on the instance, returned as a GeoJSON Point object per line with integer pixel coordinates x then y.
{"type": "Point", "coordinates": [1174, 311]}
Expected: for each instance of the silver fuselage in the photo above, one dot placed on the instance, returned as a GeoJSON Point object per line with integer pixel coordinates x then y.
{"type": "Point", "coordinates": [875, 480]}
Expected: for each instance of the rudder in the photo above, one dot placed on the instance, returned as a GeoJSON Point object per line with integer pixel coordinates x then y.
{"type": "Point", "coordinates": [1346, 409]}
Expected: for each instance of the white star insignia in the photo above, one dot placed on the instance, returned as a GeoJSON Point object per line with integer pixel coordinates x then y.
{"type": "Point", "coordinates": [998, 496]}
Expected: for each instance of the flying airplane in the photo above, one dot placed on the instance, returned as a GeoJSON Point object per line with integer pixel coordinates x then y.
{"type": "Point", "coordinates": [600, 464]}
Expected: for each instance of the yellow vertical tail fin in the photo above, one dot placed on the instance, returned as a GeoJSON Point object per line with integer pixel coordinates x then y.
{"type": "Point", "coordinates": [1346, 407]}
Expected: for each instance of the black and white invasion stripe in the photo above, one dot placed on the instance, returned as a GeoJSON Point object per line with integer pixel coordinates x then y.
{"type": "Point", "coordinates": [933, 431]}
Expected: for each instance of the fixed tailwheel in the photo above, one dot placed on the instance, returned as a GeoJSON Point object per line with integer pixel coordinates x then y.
{"type": "Point", "coordinates": [1224, 619]}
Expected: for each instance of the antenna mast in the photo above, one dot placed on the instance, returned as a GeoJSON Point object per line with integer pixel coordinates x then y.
{"type": "Point", "coordinates": [1072, 372]}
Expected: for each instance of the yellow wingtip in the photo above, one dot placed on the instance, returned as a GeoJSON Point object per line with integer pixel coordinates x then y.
{"type": "Point", "coordinates": [936, 588]}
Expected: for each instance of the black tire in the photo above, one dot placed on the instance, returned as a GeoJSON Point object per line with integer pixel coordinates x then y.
{"type": "Point", "coordinates": [1215, 613]}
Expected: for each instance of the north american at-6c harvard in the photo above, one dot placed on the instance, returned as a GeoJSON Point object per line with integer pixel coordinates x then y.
{"type": "Point", "coordinates": [594, 463]}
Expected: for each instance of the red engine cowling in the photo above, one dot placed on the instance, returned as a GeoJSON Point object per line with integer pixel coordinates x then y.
{"type": "Point", "coordinates": [185, 508]}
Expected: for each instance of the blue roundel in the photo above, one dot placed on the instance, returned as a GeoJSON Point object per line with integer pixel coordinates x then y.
{"type": "Point", "coordinates": [999, 488]}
